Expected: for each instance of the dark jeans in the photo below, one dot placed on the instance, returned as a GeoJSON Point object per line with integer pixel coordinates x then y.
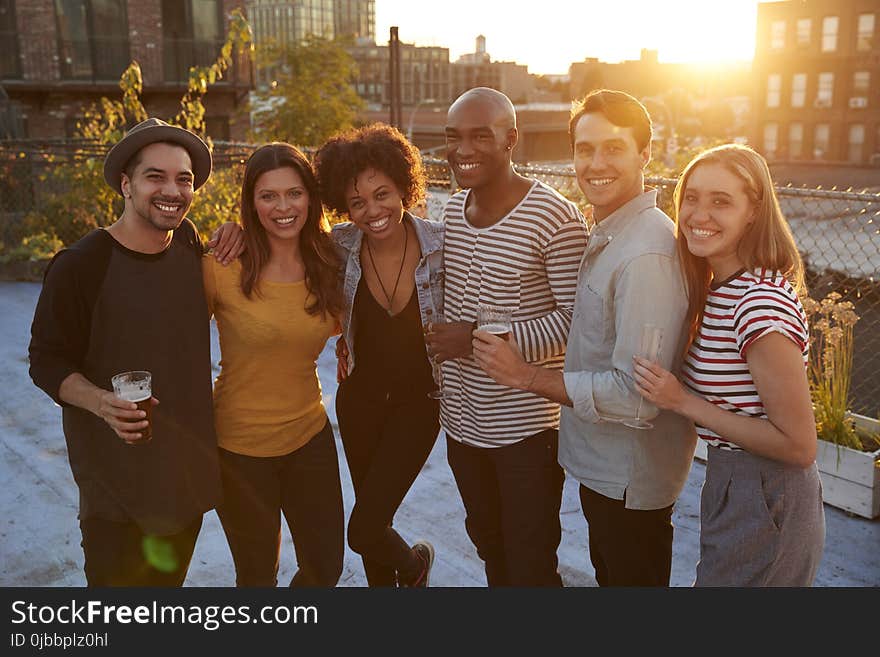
{"type": "Point", "coordinates": [303, 485]}
{"type": "Point", "coordinates": [386, 444]}
{"type": "Point", "coordinates": [120, 554]}
{"type": "Point", "coordinates": [628, 547]}
{"type": "Point", "coordinates": [512, 497]}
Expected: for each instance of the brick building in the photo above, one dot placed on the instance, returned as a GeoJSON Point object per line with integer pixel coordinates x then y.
{"type": "Point", "coordinates": [817, 81]}
{"type": "Point", "coordinates": [58, 57]}
{"type": "Point", "coordinates": [424, 74]}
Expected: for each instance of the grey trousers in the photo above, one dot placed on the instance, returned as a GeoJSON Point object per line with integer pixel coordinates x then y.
{"type": "Point", "coordinates": [762, 522]}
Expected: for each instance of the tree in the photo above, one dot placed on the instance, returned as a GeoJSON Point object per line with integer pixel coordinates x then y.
{"type": "Point", "coordinates": [78, 199]}
{"type": "Point", "coordinates": [311, 96]}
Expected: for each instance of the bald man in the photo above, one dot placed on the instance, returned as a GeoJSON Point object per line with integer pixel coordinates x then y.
{"type": "Point", "coordinates": [513, 242]}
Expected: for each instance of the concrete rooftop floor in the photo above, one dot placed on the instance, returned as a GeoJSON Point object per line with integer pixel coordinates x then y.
{"type": "Point", "coordinates": [39, 534]}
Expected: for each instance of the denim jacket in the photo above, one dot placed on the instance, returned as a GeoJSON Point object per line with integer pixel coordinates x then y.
{"type": "Point", "coordinates": [429, 272]}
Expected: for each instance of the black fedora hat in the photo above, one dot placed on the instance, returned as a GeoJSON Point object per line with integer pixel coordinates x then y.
{"type": "Point", "coordinates": [149, 132]}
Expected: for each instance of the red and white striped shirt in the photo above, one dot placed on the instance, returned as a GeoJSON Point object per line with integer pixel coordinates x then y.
{"type": "Point", "coordinates": [739, 311]}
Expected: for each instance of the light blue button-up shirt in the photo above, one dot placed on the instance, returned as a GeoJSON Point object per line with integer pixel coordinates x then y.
{"type": "Point", "coordinates": [629, 276]}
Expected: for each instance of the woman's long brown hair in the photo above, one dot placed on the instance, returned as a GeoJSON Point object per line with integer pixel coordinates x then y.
{"type": "Point", "coordinates": [768, 244]}
{"type": "Point", "coordinates": [317, 250]}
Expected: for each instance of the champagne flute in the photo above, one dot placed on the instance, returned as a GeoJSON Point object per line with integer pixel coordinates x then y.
{"type": "Point", "coordinates": [439, 392]}
{"type": "Point", "coordinates": [649, 349]}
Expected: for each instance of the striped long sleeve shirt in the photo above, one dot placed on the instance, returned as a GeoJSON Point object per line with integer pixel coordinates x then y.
{"type": "Point", "coordinates": [738, 311]}
{"type": "Point", "coordinates": [528, 260]}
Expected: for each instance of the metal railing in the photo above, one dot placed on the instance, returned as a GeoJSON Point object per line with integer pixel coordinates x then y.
{"type": "Point", "coordinates": [93, 59]}
{"type": "Point", "coordinates": [180, 54]}
{"type": "Point", "coordinates": [838, 232]}
{"type": "Point", "coordinates": [838, 235]}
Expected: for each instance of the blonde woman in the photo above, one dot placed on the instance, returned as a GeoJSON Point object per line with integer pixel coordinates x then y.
{"type": "Point", "coordinates": [744, 381]}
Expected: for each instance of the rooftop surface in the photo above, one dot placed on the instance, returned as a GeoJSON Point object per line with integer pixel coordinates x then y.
{"type": "Point", "coordinates": [40, 539]}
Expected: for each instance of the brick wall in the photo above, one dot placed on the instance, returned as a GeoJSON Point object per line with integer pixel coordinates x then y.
{"type": "Point", "coordinates": [145, 37]}
{"type": "Point", "coordinates": [37, 42]}
{"type": "Point", "coordinates": [48, 107]}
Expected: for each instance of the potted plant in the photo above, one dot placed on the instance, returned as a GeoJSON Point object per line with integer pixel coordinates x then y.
{"type": "Point", "coordinates": [848, 455]}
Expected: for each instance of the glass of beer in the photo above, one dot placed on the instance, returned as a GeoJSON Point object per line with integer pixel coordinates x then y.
{"type": "Point", "coordinates": [136, 386]}
{"type": "Point", "coordinates": [649, 349]}
{"type": "Point", "coordinates": [496, 320]}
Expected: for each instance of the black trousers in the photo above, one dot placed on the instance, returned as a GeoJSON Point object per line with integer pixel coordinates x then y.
{"type": "Point", "coordinates": [512, 497]}
{"type": "Point", "coordinates": [386, 443]}
{"type": "Point", "coordinates": [628, 547]}
{"type": "Point", "coordinates": [120, 554]}
{"type": "Point", "coordinates": [304, 486]}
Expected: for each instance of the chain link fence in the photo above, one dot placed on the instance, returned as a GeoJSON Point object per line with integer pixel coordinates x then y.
{"type": "Point", "coordinates": [838, 232]}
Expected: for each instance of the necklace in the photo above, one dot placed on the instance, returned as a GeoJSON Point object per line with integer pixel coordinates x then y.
{"type": "Point", "coordinates": [399, 271]}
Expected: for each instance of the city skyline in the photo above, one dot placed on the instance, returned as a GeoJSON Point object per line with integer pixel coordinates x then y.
{"type": "Point", "coordinates": [696, 31]}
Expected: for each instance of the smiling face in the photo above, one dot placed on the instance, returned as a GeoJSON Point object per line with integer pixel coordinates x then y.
{"type": "Point", "coordinates": [281, 202]}
{"type": "Point", "coordinates": [608, 163]}
{"type": "Point", "coordinates": [479, 140]}
{"type": "Point", "coordinates": [374, 204]}
{"type": "Point", "coordinates": [159, 190]}
{"type": "Point", "coordinates": [715, 212]}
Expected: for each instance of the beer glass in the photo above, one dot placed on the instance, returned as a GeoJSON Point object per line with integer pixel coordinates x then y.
{"type": "Point", "coordinates": [136, 386]}
{"type": "Point", "coordinates": [439, 392]}
{"type": "Point", "coordinates": [495, 320]}
{"type": "Point", "coordinates": [649, 349]}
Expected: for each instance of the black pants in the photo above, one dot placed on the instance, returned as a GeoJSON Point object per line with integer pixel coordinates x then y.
{"type": "Point", "coordinates": [120, 554]}
{"type": "Point", "coordinates": [386, 443]}
{"type": "Point", "coordinates": [628, 547]}
{"type": "Point", "coordinates": [512, 497]}
{"type": "Point", "coordinates": [303, 485]}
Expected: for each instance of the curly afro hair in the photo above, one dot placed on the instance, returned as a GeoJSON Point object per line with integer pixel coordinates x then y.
{"type": "Point", "coordinates": [376, 146]}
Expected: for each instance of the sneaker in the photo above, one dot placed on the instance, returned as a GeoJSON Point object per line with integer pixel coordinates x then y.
{"type": "Point", "coordinates": [425, 552]}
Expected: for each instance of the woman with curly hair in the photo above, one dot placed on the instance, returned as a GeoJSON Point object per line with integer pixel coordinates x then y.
{"type": "Point", "coordinates": [392, 287]}
{"type": "Point", "coordinates": [276, 307]}
{"type": "Point", "coordinates": [744, 381]}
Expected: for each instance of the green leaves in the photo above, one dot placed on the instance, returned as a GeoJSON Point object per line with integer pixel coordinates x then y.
{"type": "Point", "coordinates": [75, 198]}
{"type": "Point", "coordinates": [311, 96]}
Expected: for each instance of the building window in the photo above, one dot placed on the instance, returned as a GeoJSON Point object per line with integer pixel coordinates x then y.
{"type": "Point", "coordinates": [856, 142]}
{"type": "Point", "coordinates": [192, 33]}
{"type": "Point", "coordinates": [774, 89]}
{"type": "Point", "coordinates": [92, 38]}
{"type": "Point", "coordinates": [875, 157]}
{"type": "Point", "coordinates": [829, 33]}
{"type": "Point", "coordinates": [9, 64]}
{"type": "Point", "coordinates": [798, 89]}
{"type": "Point", "coordinates": [825, 90]}
{"type": "Point", "coordinates": [777, 35]}
{"type": "Point", "coordinates": [771, 139]}
{"type": "Point", "coordinates": [821, 140]}
{"type": "Point", "coordinates": [861, 87]}
{"type": "Point", "coordinates": [865, 35]}
{"type": "Point", "coordinates": [796, 140]}
{"type": "Point", "coordinates": [802, 34]}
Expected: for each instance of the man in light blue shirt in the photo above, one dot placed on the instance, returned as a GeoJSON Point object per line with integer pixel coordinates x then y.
{"type": "Point", "coordinates": [629, 277]}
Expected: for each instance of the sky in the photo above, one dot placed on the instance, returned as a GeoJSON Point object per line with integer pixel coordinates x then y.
{"type": "Point", "coordinates": [566, 31]}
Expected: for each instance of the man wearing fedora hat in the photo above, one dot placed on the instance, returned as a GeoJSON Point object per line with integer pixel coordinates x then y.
{"type": "Point", "coordinates": [130, 297]}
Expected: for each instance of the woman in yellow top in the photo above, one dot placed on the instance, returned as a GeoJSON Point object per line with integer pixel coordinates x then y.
{"type": "Point", "coordinates": [275, 309]}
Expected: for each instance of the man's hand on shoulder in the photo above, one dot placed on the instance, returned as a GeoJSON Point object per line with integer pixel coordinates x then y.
{"type": "Point", "coordinates": [227, 242]}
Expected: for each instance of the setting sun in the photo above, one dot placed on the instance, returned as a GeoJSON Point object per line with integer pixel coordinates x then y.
{"type": "Point", "coordinates": [550, 36]}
